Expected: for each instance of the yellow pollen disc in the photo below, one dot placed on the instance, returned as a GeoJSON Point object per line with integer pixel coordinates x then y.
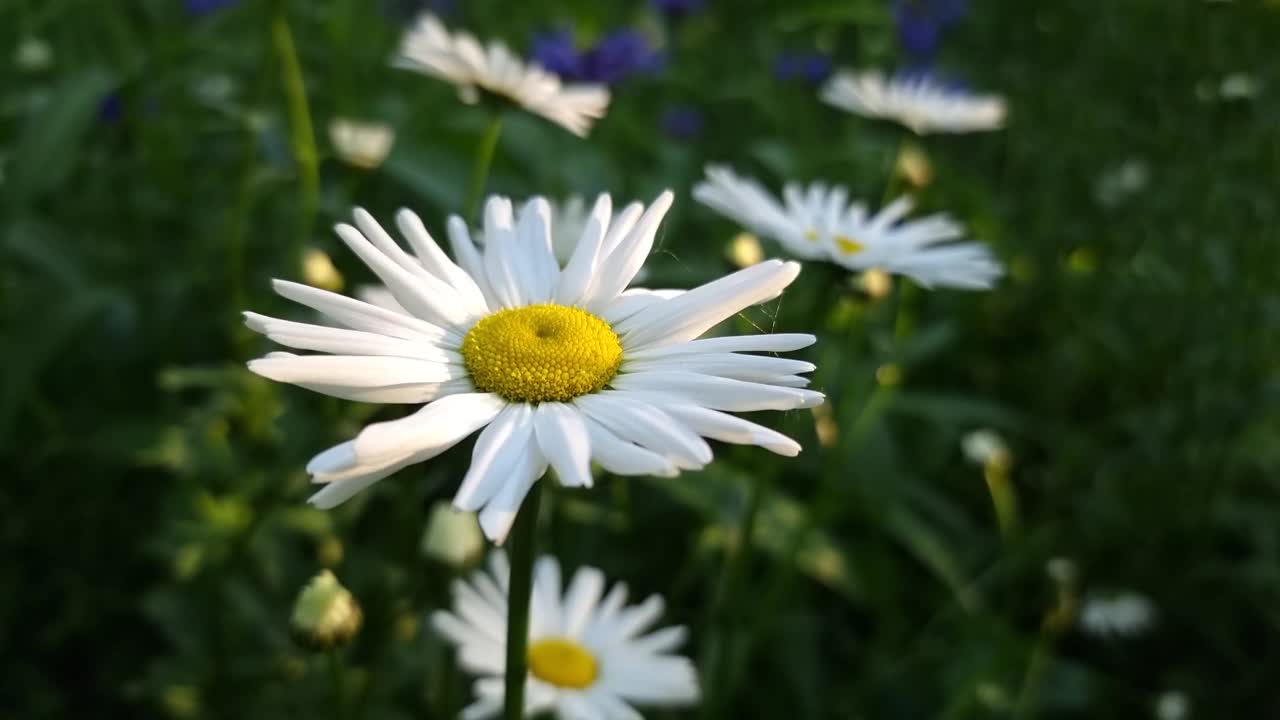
{"type": "Point", "coordinates": [848, 245]}
{"type": "Point", "coordinates": [563, 663]}
{"type": "Point", "coordinates": [541, 353]}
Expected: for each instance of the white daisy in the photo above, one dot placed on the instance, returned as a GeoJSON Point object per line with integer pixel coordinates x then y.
{"type": "Point", "coordinates": [428, 47]}
{"type": "Point", "coordinates": [362, 144]}
{"type": "Point", "coordinates": [1117, 614]}
{"type": "Point", "coordinates": [588, 657]}
{"type": "Point", "coordinates": [916, 101]}
{"type": "Point", "coordinates": [559, 365]}
{"type": "Point", "coordinates": [819, 222]}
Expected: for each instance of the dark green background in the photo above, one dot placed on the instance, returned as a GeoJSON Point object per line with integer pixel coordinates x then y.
{"type": "Point", "coordinates": [154, 531]}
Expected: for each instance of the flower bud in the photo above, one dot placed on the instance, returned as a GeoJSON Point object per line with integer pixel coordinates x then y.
{"type": "Point", "coordinates": [325, 615]}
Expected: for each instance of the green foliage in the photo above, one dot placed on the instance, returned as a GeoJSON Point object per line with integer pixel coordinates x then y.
{"type": "Point", "coordinates": [155, 528]}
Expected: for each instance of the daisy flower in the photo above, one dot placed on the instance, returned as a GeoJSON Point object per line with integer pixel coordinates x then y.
{"type": "Point", "coordinates": [558, 364]}
{"type": "Point", "coordinates": [916, 101]}
{"type": "Point", "coordinates": [1119, 614]}
{"type": "Point", "coordinates": [429, 48]}
{"type": "Point", "coordinates": [819, 222]}
{"type": "Point", "coordinates": [362, 144]}
{"type": "Point", "coordinates": [588, 657]}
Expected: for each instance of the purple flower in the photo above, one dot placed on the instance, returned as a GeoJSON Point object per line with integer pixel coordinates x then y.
{"type": "Point", "coordinates": [682, 122]}
{"type": "Point", "coordinates": [555, 52]}
{"type": "Point", "coordinates": [922, 22]}
{"type": "Point", "coordinates": [200, 8]}
{"type": "Point", "coordinates": [677, 9]}
{"type": "Point", "coordinates": [618, 55]}
{"type": "Point", "coordinates": [811, 67]}
{"type": "Point", "coordinates": [110, 109]}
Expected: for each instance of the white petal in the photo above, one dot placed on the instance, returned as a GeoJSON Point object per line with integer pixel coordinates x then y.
{"type": "Point", "coordinates": [624, 261]}
{"type": "Point", "coordinates": [633, 419]}
{"type": "Point", "coordinates": [562, 436]}
{"type": "Point", "coordinates": [410, 393]}
{"type": "Point", "coordinates": [436, 262]}
{"type": "Point", "coordinates": [740, 367]}
{"type": "Point", "coordinates": [499, 513]}
{"type": "Point", "coordinates": [621, 457]}
{"type": "Point", "coordinates": [632, 301]}
{"type": "Point", "coordinates": [341, 341]}
{"type": "Point", "coordinates": [360, 371]}
{"type": "Point", "coordinates": [469, 258]}
{"type": "Point", "coordinates": [719, 393]}
{"type": "Point", "coordinates": [436, 427]}
{"type": "Point", "coordinates": [782, 342]}
{"type": "Point", "coordinates": [728, 428]}
{"type": "Point", "coordinates": [495, 451]}
{"type": "Point", "coordinates": [421, 293]}
{"type": "Point", "coordinates": [363, 316]}
{"type": "Point", "coordinates": [687, 316]}
{"type": "Point", "coordinates": [579, 271]}
{"type": "Point", "coordinates": [581, 599]}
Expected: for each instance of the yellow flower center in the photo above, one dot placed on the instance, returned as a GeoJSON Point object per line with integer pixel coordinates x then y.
{"type": "Point", "coordinates": [541, 353]}
{"type": "Point", "coordinates": [811, 236]}
{"type": "Point", "coordinates": [848, 245]}
{"type": "Point", "coordinates": [563, 663]}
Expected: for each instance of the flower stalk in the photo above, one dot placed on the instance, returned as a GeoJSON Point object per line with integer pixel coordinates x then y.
{"type": "Point", "coordinates": [301, 134]}
{"type": "Point", "coordinates": [484, 160]}
{"type": "Point", "coordinates": [524, 539]}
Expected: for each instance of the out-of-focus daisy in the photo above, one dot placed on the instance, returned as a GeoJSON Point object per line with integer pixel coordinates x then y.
{"type": "Point", "coordinates": [590, 655]}
{"type": "Point", "coordinates": [560, 365]}
{"type": "Point", "coordinates": [916, 101]}
{"type": "Point", "coordinates": [985, 447]}
{"type": "Point", "coordinates": [428, 47]}
{"type": "Point", "coordinates": [33, 54]}
{"type": "Point", "coordinates": [1116, 614]}
{"type": "Point", "coordinates": [819, 222]}
{"type": "Point", "coordinates": [1172, 705]}
{"type": "Point", "coordinates": [362, 144]}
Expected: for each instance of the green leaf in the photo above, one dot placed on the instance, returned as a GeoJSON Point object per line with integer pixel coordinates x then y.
{"type": "Point", "coordinates": [49, 146]}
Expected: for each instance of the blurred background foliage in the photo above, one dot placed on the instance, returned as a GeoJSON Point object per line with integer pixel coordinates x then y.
{"type": "Point", "coordinates": [155, 532]}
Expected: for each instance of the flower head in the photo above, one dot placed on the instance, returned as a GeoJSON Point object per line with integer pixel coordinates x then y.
{"type": "Point", "coordinates": [1116, 614]}
{"type": "Point", "coordinates": [428, 47]}
{"type": "Point", "coordinates": [590, 655]}
{"type": "Point", "coordinates": [678, 9]}
{"type": "Point", "coordinates": [560, 364]}
{"type": "Point", "coordinates": [810, 67]}
{"type": "Point", "coordinates": [325, 614]}
{"type": "Point", "coordinates": [615, 57]}
{"type": "Point", "coordinates": [682, 122]}
{"type": "Point", "coordinates": [818, 222]}
{"type": "Point", "coordinates": [916, 100]}
{"type": "Point", "coordinates": [921, 23]}
{"type": "Point", "coordinates": [361, 144]}
{"type": "Point", "coordinates": [199, 8]}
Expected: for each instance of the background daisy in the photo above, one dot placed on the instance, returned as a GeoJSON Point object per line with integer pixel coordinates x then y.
{"type": "Point", "coordinates": [819, 222]}
{"type": "Point", "coordinates": [590, 654]}
{"type": "Point", "coordinates": [915, 100]}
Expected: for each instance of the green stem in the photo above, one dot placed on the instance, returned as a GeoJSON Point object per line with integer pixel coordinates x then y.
{"type": "Point", "coordinates": [337, 678]}
{"type": "Point", "coordinates": [484, 160]}
{"type": "Point", "coordinates": [719, 675]}
{"type": "Point", "coordinates": [523, 545]}
{"type": "Point", "coordinates": [301, 134]}
{"type": "Point", "coordinates": [1003, 500]}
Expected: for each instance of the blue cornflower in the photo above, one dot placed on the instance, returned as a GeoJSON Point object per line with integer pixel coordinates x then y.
{"type": "Point", "coordinates": [200, 8]}
{"type": "Point", "coordinates": [811, 67]}
{"type": "Point", "coordinates": [922, 22]}
{"type": "Point", "coordinates": [613, 58]}
{"type": "Point", "coordinates": [682, 122]}
{"type": "Point", "coordinates": [677, 9]}
{"type": "Point", "coordinates": [110, 109]}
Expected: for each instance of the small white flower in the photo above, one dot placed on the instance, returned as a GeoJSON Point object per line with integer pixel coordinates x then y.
{"type": "Point", "coordinates": [429, 48]}
{"type": "Point", "coordinates": [33, 54]}
{"type": "Point", "coordinates": [1172, 705]}
{"type": "Point", "coordinates": [1239, 86]}
{"type": "Point", "coordinates": [984, 446]}
{"type": "Point", "coordinates": [590, 655]}
{"type": "Point", "coordinates": [917, 102]}
{"type": "Point", "coordinates": [1117, 614]}
{"type": "Point", "coordinates": [452, 537]}
{"type": "Point", "coordinates": [560, 365]}
{"type": "Point", "coordinates": [362, 144]}
{"type": "Point", "coordinates": [819, 222]}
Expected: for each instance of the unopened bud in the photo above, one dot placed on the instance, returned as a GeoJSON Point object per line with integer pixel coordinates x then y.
{"type": "Point", "coordinates": [325, 615]}
{"type": "Point", "coordinates": [452, 536]}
